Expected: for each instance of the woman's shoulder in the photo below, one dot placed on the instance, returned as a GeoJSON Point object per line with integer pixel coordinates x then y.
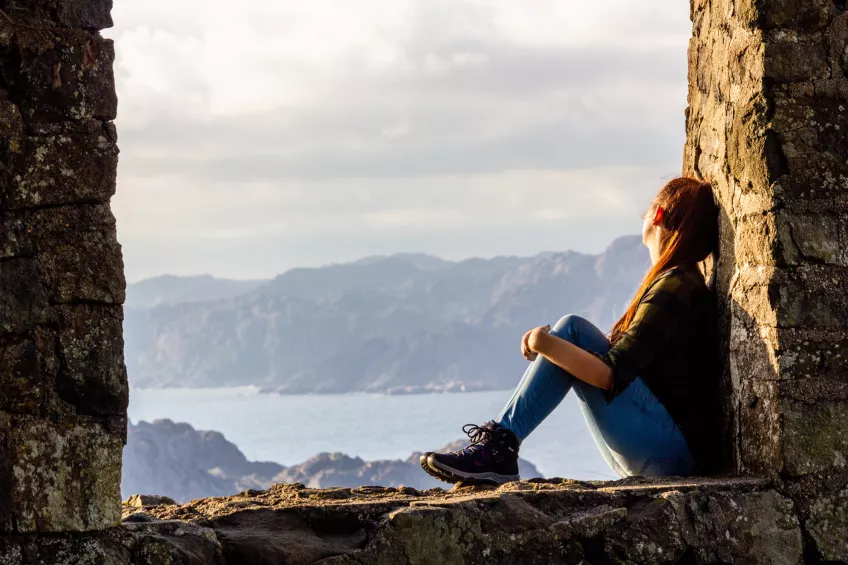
{"type": "Point", "coordinates": [687, 273]}
{"type": "Point", "coordinates": [683, 281]}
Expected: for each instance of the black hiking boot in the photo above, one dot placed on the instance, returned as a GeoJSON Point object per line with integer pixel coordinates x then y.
{"type": "Point", "coordinates": [492, 457]}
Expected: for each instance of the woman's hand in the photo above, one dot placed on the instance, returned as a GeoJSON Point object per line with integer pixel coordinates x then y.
{"type": "Point", "coordinates": [529, 339]}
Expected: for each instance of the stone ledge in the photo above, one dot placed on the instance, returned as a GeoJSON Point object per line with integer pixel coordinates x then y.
{"type": "Point", "coordinates": [536, 521]}
{"type": "Point", "coordinates": [698, 520]}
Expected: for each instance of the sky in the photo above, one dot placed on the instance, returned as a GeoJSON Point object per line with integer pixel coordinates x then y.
{"type": "Point", "coordinates": [263, 135]}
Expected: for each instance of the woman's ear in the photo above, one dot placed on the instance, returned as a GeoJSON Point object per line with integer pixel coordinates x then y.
{"type": "Point", "coordinates": [659, 215]}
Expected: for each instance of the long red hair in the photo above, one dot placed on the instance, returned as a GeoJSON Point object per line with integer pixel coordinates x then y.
{"type": "Point", "coordinates": [690, 235]}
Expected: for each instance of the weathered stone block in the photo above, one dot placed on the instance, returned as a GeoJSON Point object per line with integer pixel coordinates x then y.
{"type": "Point", "coordinates": [73, 271]}
{"type": "Point", "coordinates": [80, 549]}
{"type": "Point", "coordinates": [23, 303]}
{"type": "Point", "coordinates": [11, 140]}
{"type": "Point", "coordinates": [815, 425]}
{"type": "Point", "coordinates": [173, 542]}
{"type": "Point", "coordinates": [817, 238]}
{"type": "Point", "coordinates": [790, 56]}
{"type": "Point", "coordinates": [820, 500]}
{"type": "Point", "coordinates": [85, 14]}
{"type": "Point", "coordinates": [11, 128]}
{"type": "Point", "coordinates": [13, 240]}
{"type": "Point", "coordinates": [64, 163]}
{"type": "Point", "coordinates": [755, 527]}
{"type": "Point", "coordinates": [71, 81]}
{"type": "Point", "coordinates": [6, 484]}
{"type": "Point", "coordinates": [815, 437]}
{"type": "Point", "coordinates": [785, 239]}
{"type": "Point", "coordinates": [827, 525]}
{"type": "Point", "coordinates": [809, 296]}
{"type": "Point", "coordinates": [810, 353]}
{"type": "Point", "coordinates": [757, 241]}
{"type": "Point", "coordinates": [760, 352]}
{"type": "Point", "coordinates": [811, 132]}
{"type": "Point", "coordinates": [748, 147]}
{"type": "Point", "coordinates": [91, 345]}
{"type": "Point", "coordinates": [155, 543]}
{"type": "Point", "coordinates": [742, 56]}
{"type": "Point", "coordinates": [758, 407]}
{"type": "Point", "coordinates": [749, 295]}
{"type": "Point", "coordinates": [801, 425]}
{"type": "Point", "coordinates": [752, 356]}
{"type": "Point", "coordinates": [809, 15]}
{"type": "Point", "coordinates": [23, 384]}
{"type": "Point", "coordinates": [65, 476]}
{"type": "Point", "coordinates": [78, 256]}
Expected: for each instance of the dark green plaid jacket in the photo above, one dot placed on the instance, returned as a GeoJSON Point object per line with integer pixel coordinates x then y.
{"type": "Point", "coordinates": [671, 345]}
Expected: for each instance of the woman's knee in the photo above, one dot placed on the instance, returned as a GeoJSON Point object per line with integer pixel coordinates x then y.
{"type": "Point", "coordinates": [566, 326]}
{"type": "Point", "coordinates": [581, 332]}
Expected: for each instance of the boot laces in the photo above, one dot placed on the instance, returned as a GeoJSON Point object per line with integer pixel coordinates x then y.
{"type": "Point", "coordinates": [480, 436]}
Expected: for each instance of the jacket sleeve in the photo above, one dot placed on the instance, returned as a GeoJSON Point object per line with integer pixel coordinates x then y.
{"type": "Point", "coordinates": [657, 319]}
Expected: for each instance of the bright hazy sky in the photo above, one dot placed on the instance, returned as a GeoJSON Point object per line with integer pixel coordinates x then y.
{"type": "Point", "coordinates": [261, 135]}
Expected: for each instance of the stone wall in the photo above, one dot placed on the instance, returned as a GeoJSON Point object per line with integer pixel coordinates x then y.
{"type": "Point", "coordinates": [768, 122]}
{"type": "Point", "coordinates": [63, 387]}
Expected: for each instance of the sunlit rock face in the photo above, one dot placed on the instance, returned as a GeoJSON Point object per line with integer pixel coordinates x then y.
{"type": "Point", "coordinates": [63, 387]}
{"type": "Point", "coordinates": [767, 122]}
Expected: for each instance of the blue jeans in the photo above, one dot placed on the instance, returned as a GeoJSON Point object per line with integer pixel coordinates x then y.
{"type": "Point", "coordinates": [634, 432]}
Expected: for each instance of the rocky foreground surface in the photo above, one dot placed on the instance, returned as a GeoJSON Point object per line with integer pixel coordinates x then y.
{"type": "Point", "coordinates": [538, 521]}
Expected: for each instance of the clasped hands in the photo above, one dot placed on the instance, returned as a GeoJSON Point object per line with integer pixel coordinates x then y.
{"type": "Point", "coordinates": [530, 340]}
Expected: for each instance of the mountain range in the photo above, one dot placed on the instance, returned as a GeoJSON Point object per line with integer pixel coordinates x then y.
{"type": "Point", "coordinates": [390, 324]}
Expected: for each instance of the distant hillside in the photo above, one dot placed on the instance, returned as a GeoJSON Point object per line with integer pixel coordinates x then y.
{"type": "Point", "coordinates": [175, 460]}
{"type": "Point", "coordinates": [405, 323]}
{"type": "Point", "coordinates": [168, 289]}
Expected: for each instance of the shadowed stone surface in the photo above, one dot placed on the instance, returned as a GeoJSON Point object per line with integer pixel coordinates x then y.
{"type": "Point", "coordinates": [63, 387]}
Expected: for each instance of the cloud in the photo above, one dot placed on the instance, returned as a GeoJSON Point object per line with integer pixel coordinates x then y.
{"type": "Point", "coordinates": [307, 122]}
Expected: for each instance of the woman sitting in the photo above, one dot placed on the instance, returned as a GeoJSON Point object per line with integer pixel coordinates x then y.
{"type": "Point", "coordinates": [649, 391]}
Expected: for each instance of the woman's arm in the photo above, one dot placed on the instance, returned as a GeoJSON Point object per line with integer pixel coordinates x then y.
{"type": "Point", "coordinates": [579, 362]}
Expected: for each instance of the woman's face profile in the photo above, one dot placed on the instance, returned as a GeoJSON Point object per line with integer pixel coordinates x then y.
{"type": "Point", "coordinates": [648, 226]}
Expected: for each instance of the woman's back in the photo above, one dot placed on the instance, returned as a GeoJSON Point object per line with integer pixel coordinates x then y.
{"type": "Point", "coordinates": [683, 371]}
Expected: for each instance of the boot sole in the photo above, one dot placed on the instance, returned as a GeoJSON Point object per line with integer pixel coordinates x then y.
{"type": "Point", "coordinates": [452, 475]}
{"type": "Point", "coordinates": [435, 473]}
{"type": "Point", "coordinates": [444, 477]}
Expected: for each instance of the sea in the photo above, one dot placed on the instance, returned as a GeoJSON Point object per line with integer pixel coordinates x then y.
{"type": "Point", "coordinates": [290, 429]}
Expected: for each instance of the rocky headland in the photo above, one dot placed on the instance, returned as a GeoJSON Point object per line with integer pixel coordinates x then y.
{"type": "Point", "coordinates": [175, 460]}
